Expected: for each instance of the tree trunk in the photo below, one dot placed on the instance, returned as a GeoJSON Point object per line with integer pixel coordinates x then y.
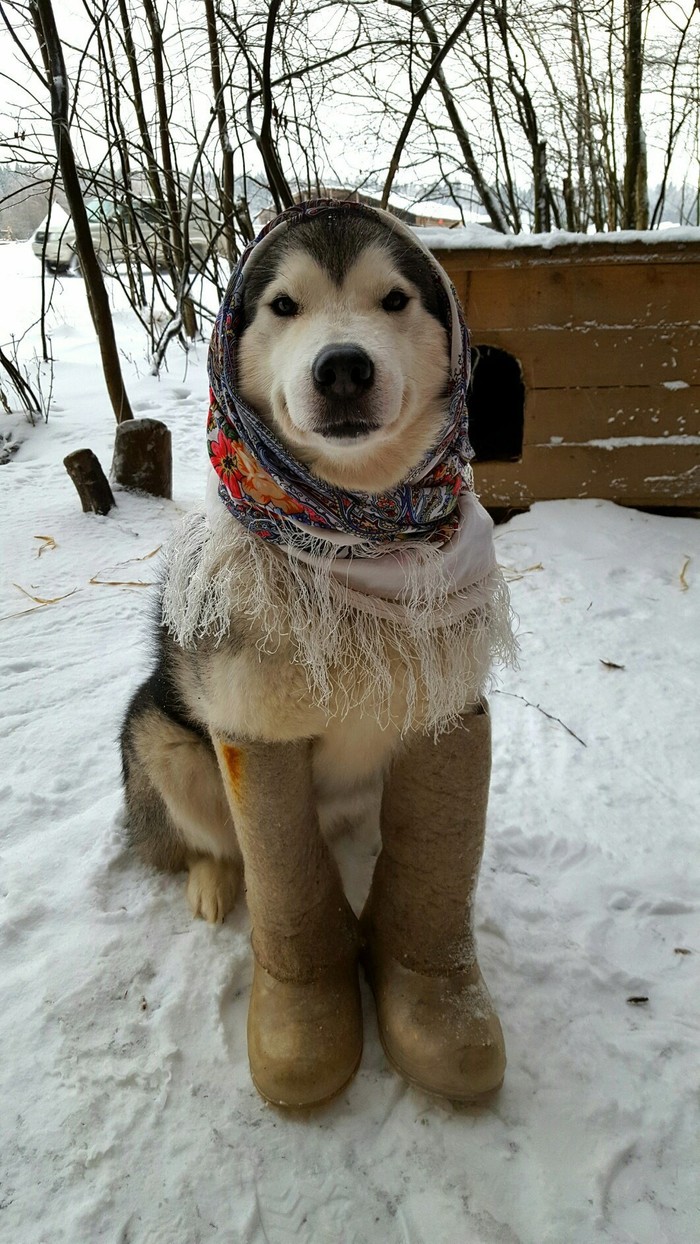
{"type": "Point", "coordinates": [279, 186]}
{"type": "Point", "coordinates": [90, 480]}
{"type": "Point", "coordinates": [224, 140]}
{"type": "Point", "coordinates": [152, 172]}
{"type": "Point", "coordinates": [488, 199]}
{"type": "Point", "coordinates": [634, 139]}
{"type": "Point", "coordinates": [642, 188]}
{"type": "Point", "coordinates": [543, 221]}
{"type": "Point", "coordinates": [180, 245]}
{"type": "Point", "coordinates": [57, 82]}
{"type": "Point", "coordinates": [420, 94]}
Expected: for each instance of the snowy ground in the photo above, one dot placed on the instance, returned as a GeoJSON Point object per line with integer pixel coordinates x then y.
{"type": "Point", "coordinates": [127, 1112]}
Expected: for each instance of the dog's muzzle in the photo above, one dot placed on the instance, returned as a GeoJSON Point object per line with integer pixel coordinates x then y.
{"type": "Point", "coordinates": [343, 375]}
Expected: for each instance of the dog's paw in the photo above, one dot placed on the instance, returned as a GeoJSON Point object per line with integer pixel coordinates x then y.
{"type": "Point", "coordinates": [212, 887]}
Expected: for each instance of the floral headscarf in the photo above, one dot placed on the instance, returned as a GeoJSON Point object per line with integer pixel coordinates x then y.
{"type": "Point", "coordinates": [276, 496]}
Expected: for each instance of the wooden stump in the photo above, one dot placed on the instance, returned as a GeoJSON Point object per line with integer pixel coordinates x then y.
{"type": "Point", "coordinates": [90, 480]}
{"type": "Point", "coordinates": [143, 457]}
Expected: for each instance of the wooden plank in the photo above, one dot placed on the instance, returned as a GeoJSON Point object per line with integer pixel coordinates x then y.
{"type": "Point", "coordinates": [559, 358]}
{"type": "Point", "coordinates": [579, 254]}
{"type": "Point", "coordinates": [642, 294]}
{"type": "Point", "coordinates": [663, 475]}
{"type": "Point", "coordinates": [594, 414]}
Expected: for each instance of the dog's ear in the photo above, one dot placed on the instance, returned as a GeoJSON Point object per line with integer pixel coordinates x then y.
{"type": "Point", "coordinates": [258, 274]}
{"type": "Point", "coordinates": [417, 267]}
{"type": "Point", "coordinates": [253, 285]}
{"type": "Point", "coordinates": [442, 309]}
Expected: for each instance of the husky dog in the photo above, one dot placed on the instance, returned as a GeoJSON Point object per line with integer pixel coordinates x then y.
{"type": "Point", "coordinates": [297, 681]}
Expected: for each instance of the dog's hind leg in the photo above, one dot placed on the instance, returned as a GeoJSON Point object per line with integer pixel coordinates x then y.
{"type": "Point", "coordinates": [178, 814]}
{"type": "Point", "coordinates": [305, 1020]}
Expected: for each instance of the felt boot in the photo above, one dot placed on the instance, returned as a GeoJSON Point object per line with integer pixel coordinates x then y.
{"type": "Point", "coordinates": [436, 1019]}
{"type": "Point", "coordinates": [305, 1018]}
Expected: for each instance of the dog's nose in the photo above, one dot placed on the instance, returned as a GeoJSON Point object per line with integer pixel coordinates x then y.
{"type": "Point", "coordinates": [342, 371]}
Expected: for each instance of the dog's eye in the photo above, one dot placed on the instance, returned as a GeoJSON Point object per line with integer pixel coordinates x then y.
{"type": "Point", "coordinates": [284, 306]}
{"type": "Point", "coordinates": [396, 300]}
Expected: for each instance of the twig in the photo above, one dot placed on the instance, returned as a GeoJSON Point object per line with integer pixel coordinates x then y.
{"type": "Point", "coordinates": [515, 696]}
{"type": "Point", "coordinates": [684, 581]}
{"type": "Point", "coordinates": [20, 384]}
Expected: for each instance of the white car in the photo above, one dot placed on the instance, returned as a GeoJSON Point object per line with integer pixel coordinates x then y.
{"type": "Point", "coordinates": [52, 239]}
{"type": "Point", "coordinates": [116, 233]}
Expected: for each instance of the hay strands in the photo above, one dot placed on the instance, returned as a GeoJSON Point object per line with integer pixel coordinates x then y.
{"type": "Point", "coordinates": [97, 580]}
{"type": "Point", "coordinates": [48, 543]}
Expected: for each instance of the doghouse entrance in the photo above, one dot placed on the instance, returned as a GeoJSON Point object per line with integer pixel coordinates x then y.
{"type": "Point", "coordinates": [496, 405]}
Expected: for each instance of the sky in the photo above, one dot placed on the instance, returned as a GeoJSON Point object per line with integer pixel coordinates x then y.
{"type": "Point", "coordinates": [357, 134]}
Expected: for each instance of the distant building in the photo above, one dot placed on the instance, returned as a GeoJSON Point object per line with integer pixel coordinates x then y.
{"type": "Point", "coordinates": [429, 214]}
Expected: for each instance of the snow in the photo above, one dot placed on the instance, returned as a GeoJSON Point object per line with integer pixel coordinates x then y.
{"type": "Point", "coordinates": [127, 1110]}
{"type": "Point", "coordinates": [624, 442]}
{"type": "Point", "coordinates": [477, 237]}
{"type": "Point", "coordinates": [441, 211]}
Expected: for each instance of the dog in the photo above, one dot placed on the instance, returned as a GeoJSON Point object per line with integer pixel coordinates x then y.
{"type": "Point", "coordinates": [288, 704]}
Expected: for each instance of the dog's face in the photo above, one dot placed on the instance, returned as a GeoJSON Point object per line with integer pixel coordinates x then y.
{"type": "Point", "coordinates": [344, 350]}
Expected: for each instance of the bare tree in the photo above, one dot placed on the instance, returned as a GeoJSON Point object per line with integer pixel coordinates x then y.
{"type": "Point", "coordinates": [56, 80]}
{"type": "Point", "coordinates": [533, 117]}
{"type": "Point", "coordinates": [227, 162]}
{"type": "Point", "coordinates": [420, 94]}
{"type": "Point", "coordinates": [635, 203]}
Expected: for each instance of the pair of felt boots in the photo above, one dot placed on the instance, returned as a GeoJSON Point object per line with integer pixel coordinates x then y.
{"type": "Point", "coordinates": [439, 1032]}
{"type": "Point", "coordinates": [415, 938]}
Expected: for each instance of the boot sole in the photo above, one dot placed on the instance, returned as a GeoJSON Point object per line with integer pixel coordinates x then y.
{"type": "Point", "coordinates": [467, 1099]}
{"type": "Point", "coordinates": [308, 1105]}
{"type": "Point", "coordinates": [463, 1099]}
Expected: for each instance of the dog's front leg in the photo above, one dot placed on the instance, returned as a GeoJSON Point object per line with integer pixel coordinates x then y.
{"type": "Point", "coordinates": [304, 1021]}
{"type": "Point", "coordinates": [436, 1019]}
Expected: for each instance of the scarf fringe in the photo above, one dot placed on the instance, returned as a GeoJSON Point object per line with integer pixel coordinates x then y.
{"type": "Point", "coordinates": [415, 663]}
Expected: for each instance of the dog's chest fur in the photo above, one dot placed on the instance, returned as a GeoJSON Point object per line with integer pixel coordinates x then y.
{"type": "Point", "coordinates": [237, 691]}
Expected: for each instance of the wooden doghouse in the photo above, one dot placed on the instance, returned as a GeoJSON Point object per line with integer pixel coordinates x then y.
{"type": "Point", "coordinates": [587, 364]}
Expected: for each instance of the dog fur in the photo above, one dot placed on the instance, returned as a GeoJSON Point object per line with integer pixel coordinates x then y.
{"type": "Point", "coordinates": [337, 271]}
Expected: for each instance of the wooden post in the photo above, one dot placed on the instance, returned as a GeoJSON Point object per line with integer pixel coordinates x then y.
{"type": "Point", "coordinates": [143, 457]}
{"type": "Point", "coordinates": [90, 480]}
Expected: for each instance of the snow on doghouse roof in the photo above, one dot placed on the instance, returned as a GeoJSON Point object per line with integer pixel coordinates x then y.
{"type": "Point", "coordinates": [477, 237]}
